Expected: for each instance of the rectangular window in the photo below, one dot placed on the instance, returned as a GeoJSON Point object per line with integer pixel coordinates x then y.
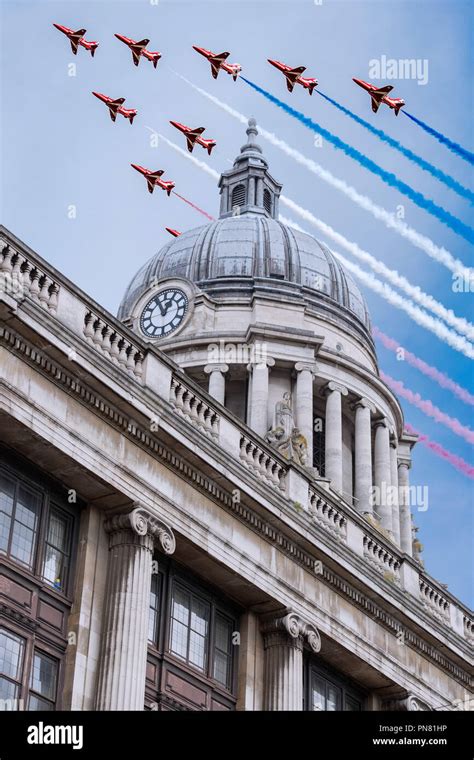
{"type": "Point", "coordinates": [154, 607]}
{"type": "Point", "coordinates": [324, 694]}
{"type": "Point", "coordinates": [57, 549]}
{"type": "Point", "coordinates": [43, 682]}
{"type": "Point", "coordinates": [12, 649]}
{"type": "Point", "coordinates": [19, 515]}
{"type": "Point", "coordinates": [189, 628]}
{"type": "Point", "coordinates": [223, 650]}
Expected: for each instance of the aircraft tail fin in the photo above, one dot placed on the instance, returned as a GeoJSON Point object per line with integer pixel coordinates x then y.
{"type": "Point", "coordinates": [131, 117]}
{"type": "Point", "coordinates": [397, 108]}
{"type": "Point", "coordinates": [311, 87]}
{"type": "Point", "coordinates": [94, 48]}
{"type": "Point", "coordinates": [210, 146]}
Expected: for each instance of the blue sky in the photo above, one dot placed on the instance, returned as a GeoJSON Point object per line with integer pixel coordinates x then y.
{"type": "Point", "coordinates": [59, 148]}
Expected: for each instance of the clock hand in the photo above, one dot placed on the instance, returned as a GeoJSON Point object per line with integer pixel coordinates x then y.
{"type": "Point", "coordinates": [166, 305]}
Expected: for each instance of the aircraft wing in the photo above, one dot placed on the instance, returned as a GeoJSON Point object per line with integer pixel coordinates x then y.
{"type": "Point", "coordinates": [190, 141]}
{"type": "Point", "coordinates": [220, 57]}
{"type": "Point", "coordinates": [290, 82]}
{"type": "Point", "coordinates": [118, 101]}
{"type": "Point", "coordinates": [136, 57]}
{"type": "Point", "coordinates": [384, 90]}
{"type": "Point", "coordinates": [375, 105]}
{"type": "Point", "coordinates": [151, 185]}
{"type": "Point", "coordinates": [299, 70]}
{"type": "Point", "coordinates": [113, 113]}
{"type": "Point", "coordinates": [74, 45]}
{"type": "Point", "coordinates": [215, 69]}
{"type": "Point", "coordinates": [197, 131]}
{"type": "Point", "coordinates": [155, 175]}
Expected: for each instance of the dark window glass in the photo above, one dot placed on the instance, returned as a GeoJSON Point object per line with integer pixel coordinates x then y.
{"type": "Point", "coordinates": [352, 704]}
{"type": "Point", "coordinates": [7, 496]}
{"type": "Point", "coordinates": [189, 627]}
{"type": "Point", "coordinates": [319, 451]}
{"type": "Point", "coordinates": [57, 549]}
{"type": "Point", "coordinates": [43, 682]}
{"type": "Point", "coordinates": [325, 696]}
{"type": "Point", "coordinates": [19, 513]}
{"type": "Point", "coordinates": [11, 666]}
{"type": "Point", "coordinates": [223, 650]}
{"type": "Point", "coordinates": [154, 607]}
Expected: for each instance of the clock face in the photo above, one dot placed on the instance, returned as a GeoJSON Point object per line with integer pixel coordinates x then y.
{"type": "Point", "coordinates": [164, 313]}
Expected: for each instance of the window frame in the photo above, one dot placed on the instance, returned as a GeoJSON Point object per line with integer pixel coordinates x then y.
{"type": "Point", "coordinates": [52, 497]}
{"type": "Point", "coordinates": [348, 690]}
{"type": "Point", "coordinates": [171, 575]}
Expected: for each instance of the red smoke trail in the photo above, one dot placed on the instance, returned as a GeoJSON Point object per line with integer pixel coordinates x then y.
{"type": "Point", "coordinates": [193, 205]}
{"type": "Point", "coordinates": [437, 449]}
{"type": "Point", "coordinates": [429, 408]}
{"type": "Point", "coordinates": [439, 377]}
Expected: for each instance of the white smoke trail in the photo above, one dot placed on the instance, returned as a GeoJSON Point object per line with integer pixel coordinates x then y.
{"type": "Point", "coordinates": [425, 320]}
{"type": "Point", "coordinates": [424, 243]}
{"type": "Point", "coordinates": [391, 296]}
{"type": "Point", "coordinates": [413, 291]}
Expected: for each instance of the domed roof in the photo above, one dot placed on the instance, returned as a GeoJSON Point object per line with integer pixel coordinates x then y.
{"type": "Point", "coordinates": [248, 250]}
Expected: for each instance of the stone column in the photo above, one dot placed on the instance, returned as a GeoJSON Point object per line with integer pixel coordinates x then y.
{"type": "Point", "coordinates": [224, 200]}
{"type": "Point", "coordinates": [304, 403]}
{"type": "Point", "coordinates": [382, 477]}
{"type": "Point", "coordinates": [259, 192]}
{"type": "Point", "coordinates": [283, 639]}
{"type": "Point", "coordinates": [216, 374]}
{"type": "Point", "coordinates": [333, 434]}
{"type": "Point", "coordinates": [404, 507]}
{"type": "Point", "coordinates": [121, 683]}
{"type": "Point", "coordinates": [258, 417]}
{"type": "Point", "coordinates": [394, 490]}
{"type": "Point", "coordinates": [363, 455]}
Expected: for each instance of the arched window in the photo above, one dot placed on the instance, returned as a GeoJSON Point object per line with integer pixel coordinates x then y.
{"type": "Point", "coordinates": [267, 201]}
{"type": "Point", "coordinates": [238, 195]}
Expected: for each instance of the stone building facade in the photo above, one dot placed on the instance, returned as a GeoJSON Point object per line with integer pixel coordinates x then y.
{"type": "Point", "coordinates": [194, 509]}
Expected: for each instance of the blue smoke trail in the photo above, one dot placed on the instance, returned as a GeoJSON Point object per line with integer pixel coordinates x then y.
{"type": "Point", "coordinates": [440, 213]}
{"type": "Point", "coordinates": [454, 147]}
{"type": "Point", "coordinates": [440, 175]}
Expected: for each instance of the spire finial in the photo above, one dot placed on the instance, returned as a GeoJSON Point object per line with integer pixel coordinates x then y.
{"type": "Point", "coordinates": [252, 132]}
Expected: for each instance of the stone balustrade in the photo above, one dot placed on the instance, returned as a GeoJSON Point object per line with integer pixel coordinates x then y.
{"type": "Point", "coordinates": [327, 516]}
{"type": "Point", "coordinates": [434, 602]}
{"type": "Point", "coordinates": [194, 408]}
{"type": "Point", "coordinates": [263, 464]}
{"type": "Point", "coordinates": [21, 278]}
{"type": "Point", "coordinates": [468, 626]}
{"type": "Point", "coordinates": [35, 280]}
{"type": "Point", "coordinates": [108, 341]}
{"type": "Point", "coordinates": [384, 561]}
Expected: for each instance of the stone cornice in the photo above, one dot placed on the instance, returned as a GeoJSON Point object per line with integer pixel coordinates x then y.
{"type": "Point", "coordinates": [244, 513]}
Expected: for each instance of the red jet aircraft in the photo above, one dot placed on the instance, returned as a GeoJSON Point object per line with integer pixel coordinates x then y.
{"type": "Point", "coordinates": [293, 76]}
{"type": "Point", "coordinates": [217, 61]}
{"type": "Point", "coordinates": [153, 178]}
{"type": "Point", "coordinates": [115, 107]}
{"type": "Point", "coordinates": [193, 137]}
{"type": "Point", "coordinates": [175, 233]}
{"type": "Point", "coordinates": [139, 48]}
{"type": "Point", "coordinates": [77, 38]}
{"type": "Point", "coordinates": [379, 95]}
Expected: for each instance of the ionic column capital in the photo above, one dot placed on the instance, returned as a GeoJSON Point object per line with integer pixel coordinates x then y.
{"type": "Point", "coordinates": [267, 362]}
{"type": "Point", "coordinates": [364, 403]}
{"type": "Point", "coordinates": [333, 387]}
{"type": "Point", "coordinates": [382, 422]}
{"type": "Point", "coordinates": [402, 462]}
{"type": "Point", "coordinates": [222, 368]}
{"type": "Point", "coordinates": [293, 629]}
{"type": "Point", "coordinates": [142, 523]}
{"type": "Point", "coordinates": [307, 366]}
